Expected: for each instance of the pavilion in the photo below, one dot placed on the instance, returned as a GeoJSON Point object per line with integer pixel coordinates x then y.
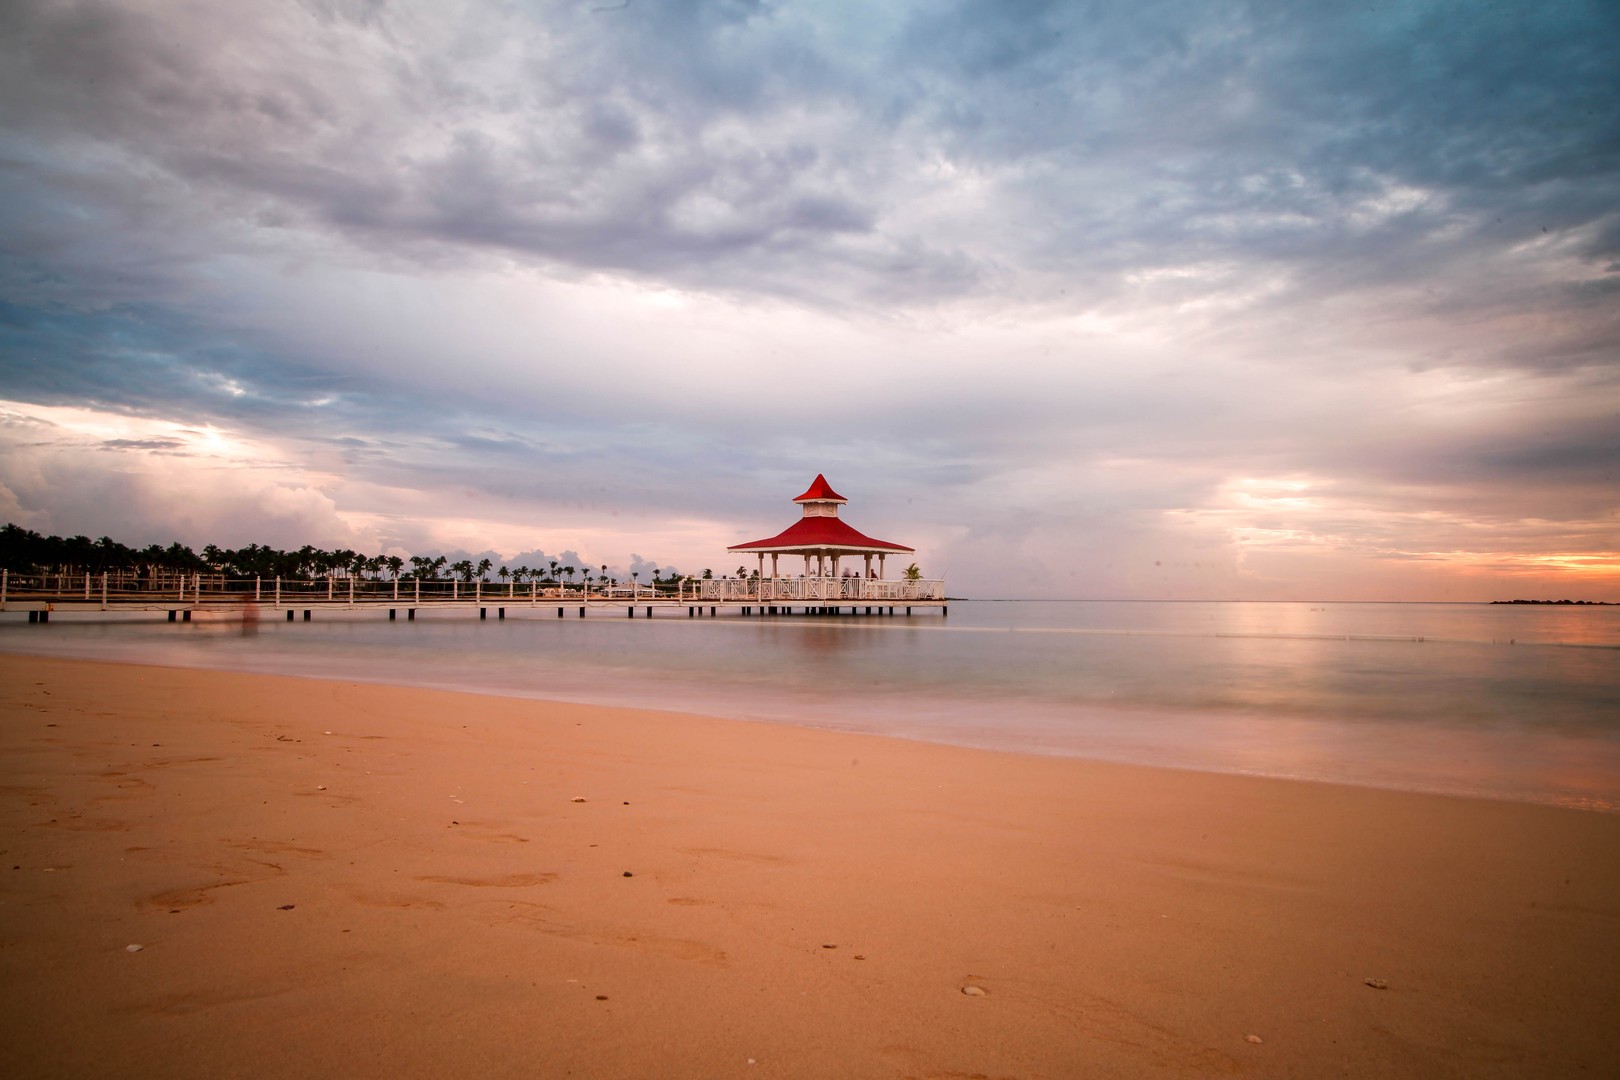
{"type": "Point", "coordinates": [823, 536]}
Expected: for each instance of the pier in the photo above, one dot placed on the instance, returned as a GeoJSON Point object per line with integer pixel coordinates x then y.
{"type": "Point", "coordinates": [181, 596]}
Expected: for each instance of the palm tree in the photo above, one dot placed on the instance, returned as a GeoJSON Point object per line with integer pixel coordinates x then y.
{"type": "Point", "coordinates": [395, 565]}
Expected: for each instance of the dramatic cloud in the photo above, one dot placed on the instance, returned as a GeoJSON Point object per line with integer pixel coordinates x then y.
{"type": "Point", "coordinates": [1148, 299]}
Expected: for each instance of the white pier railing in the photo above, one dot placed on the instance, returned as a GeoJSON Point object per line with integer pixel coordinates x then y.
{"type": "Point", "coordinates": [798, 590]}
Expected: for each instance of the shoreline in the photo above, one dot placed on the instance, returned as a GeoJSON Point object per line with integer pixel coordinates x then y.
{"type": "Point", "coordinates": [1548, 768]}
{"type": "Point", "coordinates": [453, 907]}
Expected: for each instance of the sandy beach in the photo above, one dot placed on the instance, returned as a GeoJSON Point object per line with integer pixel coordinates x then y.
{"type": "Point", "coordinates": [332, 879]}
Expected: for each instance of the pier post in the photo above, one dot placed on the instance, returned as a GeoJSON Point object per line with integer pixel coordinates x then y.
{"type": "Point", "coordinates": [649, 611]}
{"type": "Point", "coordinates": [410, 615]}
{"type": "Point", "coordinates": [172, 615]}
{"type": "Point", "coordinates": [33, 616]}
{"type": "Point", "coordinates": [559, 613]}
{"type": "Point", "coordinates": [483, 613]}
{"type": "Point", "coordinates": [289, 615]}
{"type": "Point", "coordinates": [711, 611]}
{"type": "Point", "coordinates": [689, 611]}
{"type": "Point", "coordinates": [185, 616]}
{"type": "Point", "coordinates": [392, 615]}
{"type": "Point", "coordinates": [582, 611]}
{"type": "Point", "coordinates": [306, 614]}
{"type": "Point", "coordinates": [500, 613]}
{"type": "Point", "coordinates": [631, 611]}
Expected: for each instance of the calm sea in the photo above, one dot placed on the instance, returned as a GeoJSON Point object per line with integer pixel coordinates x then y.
{"type": "Point", "coordinates": [1512, 702]}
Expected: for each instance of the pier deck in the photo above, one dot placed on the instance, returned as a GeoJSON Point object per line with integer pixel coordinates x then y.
{"type": "Point", "coordinates": [39, 596]}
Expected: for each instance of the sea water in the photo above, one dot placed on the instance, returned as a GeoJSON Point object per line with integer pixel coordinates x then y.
{"type": "Point", "coordinates": [1504, 701]}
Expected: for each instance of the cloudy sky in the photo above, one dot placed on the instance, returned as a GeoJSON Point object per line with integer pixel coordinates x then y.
{"type": "Point", "coordinates": [1184, 299]}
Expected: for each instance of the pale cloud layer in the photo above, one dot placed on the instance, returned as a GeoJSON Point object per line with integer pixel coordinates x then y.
{"type": "Point", "coordinates": [1143, 300]}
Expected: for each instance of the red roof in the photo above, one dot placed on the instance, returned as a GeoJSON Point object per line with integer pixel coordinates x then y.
{"type": "Point", "coordinates": [819, 532]}
{"type": "Point", "coordinates": [821, 491]}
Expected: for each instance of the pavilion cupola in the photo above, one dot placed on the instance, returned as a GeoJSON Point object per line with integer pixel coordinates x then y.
{"type": "Point", "coordinates": [820, 500]}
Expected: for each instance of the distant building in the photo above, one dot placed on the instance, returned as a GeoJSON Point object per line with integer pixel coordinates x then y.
{"type": "Point", "coordinates": [821, 535]}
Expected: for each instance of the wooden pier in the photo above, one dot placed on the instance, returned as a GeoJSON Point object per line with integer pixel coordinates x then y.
{"type": "Point", "coordinates": [41, 595]}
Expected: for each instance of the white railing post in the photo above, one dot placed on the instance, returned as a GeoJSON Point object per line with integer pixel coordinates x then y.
{"type": "Point", "coordinates": [258, 584]}
{"type": "Point", "coordinates": [418, 589]}
{"type": "Point", "coordinates": [278, 592]}
{"type": "Point", "coordinates": [396, 586]}
{"type": "Point", "coordinates": [104, 590]}
{"type": "Point", "coordinates": [329, 586]}
{"type": "Point", "coordinates": [478, 591]}
{"type": "Point", "coordinates": [5, 586]}
{"type": "Point", "coordinates": [351, 591]}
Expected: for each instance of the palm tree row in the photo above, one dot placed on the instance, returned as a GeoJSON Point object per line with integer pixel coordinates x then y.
{"type": "Point", "coordinates": [25, 551]}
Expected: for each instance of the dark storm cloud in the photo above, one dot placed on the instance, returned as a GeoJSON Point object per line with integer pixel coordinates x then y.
{"type": "Point", "coordinates": [723, 144]}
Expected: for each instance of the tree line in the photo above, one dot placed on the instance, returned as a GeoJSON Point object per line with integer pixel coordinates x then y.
{"type": "Point", "coordinates": [25, 551]}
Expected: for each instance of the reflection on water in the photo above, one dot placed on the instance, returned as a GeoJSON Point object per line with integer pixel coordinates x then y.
{"type": "Point", "coordinates": [1514, 702]}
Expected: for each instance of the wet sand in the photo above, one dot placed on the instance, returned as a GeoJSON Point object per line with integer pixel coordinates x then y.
{"type": "Point", "coordinates": [337, 879]}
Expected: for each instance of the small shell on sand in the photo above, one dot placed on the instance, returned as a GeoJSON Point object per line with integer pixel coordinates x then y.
{"type": "Point", "coordinates": [133, 948]}
{"type": "Point", "coordinates": [1376, 984]}
{"type": "Point", "coordinates": [1257, 1040]}
{"type": "Point", "coordinates": [577, 798]}
{"type": "Point", "coordinates": [973, 991]}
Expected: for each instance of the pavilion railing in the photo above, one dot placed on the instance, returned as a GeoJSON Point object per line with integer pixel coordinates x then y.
{"type": "Point", "coordinates": [852, 589]}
